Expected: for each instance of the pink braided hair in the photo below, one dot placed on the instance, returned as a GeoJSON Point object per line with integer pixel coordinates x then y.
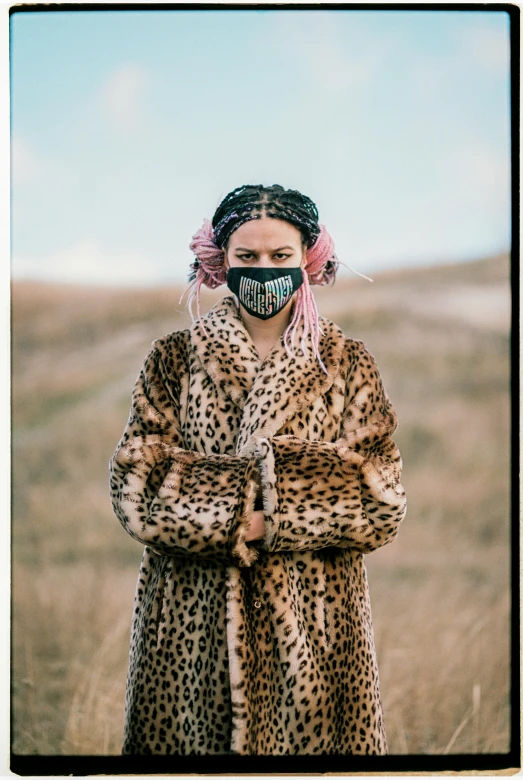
{"type": "Point", "coordinates": [209, 269]}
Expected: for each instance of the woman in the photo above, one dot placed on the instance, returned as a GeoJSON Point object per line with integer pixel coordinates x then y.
{"type": "Point", "coordinates": [257, 468]}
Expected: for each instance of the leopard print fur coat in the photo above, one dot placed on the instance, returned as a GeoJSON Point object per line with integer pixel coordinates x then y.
{"type": "Point", "coordinates": [267, 647]}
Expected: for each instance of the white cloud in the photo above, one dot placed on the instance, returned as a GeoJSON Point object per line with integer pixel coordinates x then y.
{"type": "Point", "coordinates": [479, 48]}
{"type": "Point", "coordinates": [471, 217]}
{"type": "Point", "coordinates": [489, 46]}
{"type": "Point", "coordinates": [122, 95]}
{"type": "Point", "coordinates": [31, 167]}
{"type": "Point", "coordinates": [87, 263]}
{"type": "Point", "coordinates": [330, 60]}
{"type": "Point", "coordinates": [25, 163]}
{"type": "Point", "coordinates": [482, 178]}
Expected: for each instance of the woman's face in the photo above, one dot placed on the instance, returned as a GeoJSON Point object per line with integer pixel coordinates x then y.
{"type": "Point", "coordinates": [265, 243]}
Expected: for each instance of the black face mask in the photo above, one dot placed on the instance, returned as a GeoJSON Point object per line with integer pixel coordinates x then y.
{"type": "Point", "coordinates": [263, 292]}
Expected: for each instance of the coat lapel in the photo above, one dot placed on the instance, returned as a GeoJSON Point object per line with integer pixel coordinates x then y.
{"type": "Point", "coordinates": [269, 392]}
{"type": "Point", "coordinates": [226, 351]}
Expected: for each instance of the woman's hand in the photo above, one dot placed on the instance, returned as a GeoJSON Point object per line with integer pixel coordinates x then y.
{"type": "Point", "coordinates": [256, 529]}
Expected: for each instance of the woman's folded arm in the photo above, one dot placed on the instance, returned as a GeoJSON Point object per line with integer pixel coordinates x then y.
{"type": "Point", "coordinates": [345, 493]}
{"type": "Point", "coordinates": [175, 500]}
{"type": "Point", "coordinates": [321, 495]}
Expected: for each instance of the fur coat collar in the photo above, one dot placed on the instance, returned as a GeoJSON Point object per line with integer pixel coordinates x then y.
{"type": "Point", "coordinates": [287, 382]}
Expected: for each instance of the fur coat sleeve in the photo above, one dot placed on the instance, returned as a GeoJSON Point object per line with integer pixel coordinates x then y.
{"type": "Point", "coordinates": [346, 493]}
{"type": "Point", "coordinates": [174, 500]}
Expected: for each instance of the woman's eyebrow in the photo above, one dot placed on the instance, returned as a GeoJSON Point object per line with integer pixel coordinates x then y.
{"type": "Point", "coordinates": [244, 249]}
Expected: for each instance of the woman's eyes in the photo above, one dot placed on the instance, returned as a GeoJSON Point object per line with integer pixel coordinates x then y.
{"type": "Point", "coordinates": [248, 257]}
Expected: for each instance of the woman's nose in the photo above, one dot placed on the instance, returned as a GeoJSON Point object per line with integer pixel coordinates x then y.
{"type": "Point", "coordinates": [264, 261]}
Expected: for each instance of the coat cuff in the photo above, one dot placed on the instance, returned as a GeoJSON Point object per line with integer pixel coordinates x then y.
{"type": "Point", "coordinates": [180, 502]}
{"type": "Point", "coordinates": [311, 496]}
{"type": "Point", "coordinates": [242, 552]}
{"type": "Point", "coordinates": [322, 494]}
{"type": "Point", "coordinates": [265, 461]}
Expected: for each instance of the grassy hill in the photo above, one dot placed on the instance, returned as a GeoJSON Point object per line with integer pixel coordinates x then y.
{"type": "Point", "coordinates": [440, 593]}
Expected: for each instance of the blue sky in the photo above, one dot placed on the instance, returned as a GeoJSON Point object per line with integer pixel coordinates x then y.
{"type": "Point", "coordinates": [128, 127]}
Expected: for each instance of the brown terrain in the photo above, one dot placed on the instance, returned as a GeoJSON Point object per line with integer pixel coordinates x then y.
{"type": "Point", "coordinates": [440, 592]}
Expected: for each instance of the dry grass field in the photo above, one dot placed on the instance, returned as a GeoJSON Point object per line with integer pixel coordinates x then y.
{"type": "Point", "coordinates": [440, 592]}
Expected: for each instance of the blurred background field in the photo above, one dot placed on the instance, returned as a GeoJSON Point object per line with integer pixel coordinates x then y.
{"type": "Point", "coordinates": [440, 592]}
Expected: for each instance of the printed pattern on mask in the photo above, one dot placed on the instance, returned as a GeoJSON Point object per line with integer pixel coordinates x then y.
{"type": "Point", "coordinates": [264, 298]}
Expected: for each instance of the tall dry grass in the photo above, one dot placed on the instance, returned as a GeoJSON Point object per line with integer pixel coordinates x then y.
{"type": "Point", "coordinates": [70, 636]}
{"type": "Point", "coordinates": [440, 593]}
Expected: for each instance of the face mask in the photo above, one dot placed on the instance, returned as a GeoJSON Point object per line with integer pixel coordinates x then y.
{"type": "Point", "coordinates": [263, 292]}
